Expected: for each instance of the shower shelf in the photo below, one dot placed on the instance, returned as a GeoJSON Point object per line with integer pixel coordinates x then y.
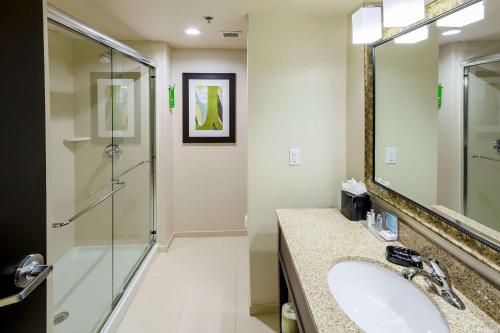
{"type": "Point", "coordinates": [77, 139]}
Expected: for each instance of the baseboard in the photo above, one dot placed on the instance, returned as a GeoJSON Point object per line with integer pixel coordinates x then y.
{"type": "Point", "coordinates": [260, 309]}
{"type": "Point", "coordinates": [221, 233]}
{"type": "Point", "coordinates": [120, 309]}
{"type": "Point", "coordinates": [194, 234]}
{"type": "Point", "coordinates": [166, 247]}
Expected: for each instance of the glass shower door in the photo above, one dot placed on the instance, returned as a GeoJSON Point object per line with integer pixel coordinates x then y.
{"type": "Point", "coordinates": [100, 141]}
{"type": "Point", "coordinates": [482, 130]}
{"type": "Point", "coordinates": [79, 182]}
{"type": "Point", "coordinates": [132, 208]}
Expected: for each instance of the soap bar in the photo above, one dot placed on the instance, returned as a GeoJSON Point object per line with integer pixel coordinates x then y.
{"type": "Point", "coordinates": [403, 256]}
{"type": "Point", "coordinates": [387, 235]}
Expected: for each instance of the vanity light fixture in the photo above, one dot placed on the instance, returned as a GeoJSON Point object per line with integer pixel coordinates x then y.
{"type": "Point", "coordinates": [413, 37]}
{"type": "Point", "coordinates": [468, 15]}
{"type": "Point", "coordinates": [192, 32]}
{"type": "Point", "coordinates": [366, 25]}
{"type": "Point", "coordinates": [401, 13]}
{"type": "Point", "coordinates": [451, 32]}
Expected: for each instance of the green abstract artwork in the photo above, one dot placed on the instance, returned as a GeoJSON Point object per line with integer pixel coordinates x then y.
{"type": "Point", "coordinates": [208, 108]}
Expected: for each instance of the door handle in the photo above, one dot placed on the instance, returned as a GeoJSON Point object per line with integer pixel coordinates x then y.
{"type": "Point", "coordinates": [30, 273]}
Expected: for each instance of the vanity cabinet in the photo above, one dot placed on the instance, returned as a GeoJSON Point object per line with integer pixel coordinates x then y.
{"type": "Point", "coordinates": [290, 287]}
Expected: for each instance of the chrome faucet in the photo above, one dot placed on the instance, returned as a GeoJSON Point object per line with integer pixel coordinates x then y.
{"type": "Point", "coordinates": [438, 280]}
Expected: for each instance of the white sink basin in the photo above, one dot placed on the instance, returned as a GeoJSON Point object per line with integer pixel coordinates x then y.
{"type": "Point", "coordinates": [379, 300]}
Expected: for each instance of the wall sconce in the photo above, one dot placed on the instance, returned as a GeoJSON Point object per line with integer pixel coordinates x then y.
{"type": "Point", "coordinates": [366, 25]}
{"type": "Point", "coordinates": [401, 13]}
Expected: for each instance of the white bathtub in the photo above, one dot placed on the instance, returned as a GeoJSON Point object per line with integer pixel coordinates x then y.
{"type": "Point", "coordinates": [83, 283]}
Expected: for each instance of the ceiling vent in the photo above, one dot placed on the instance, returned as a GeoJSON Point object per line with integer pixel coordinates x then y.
{"type": "Point", "coordinates": [231, 34]}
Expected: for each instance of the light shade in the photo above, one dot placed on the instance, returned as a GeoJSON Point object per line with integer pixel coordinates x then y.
{"type": "Point", "coordinates": [414, 36]}
{"type": "Point", "coordinates": [366, 25]}
{"type": "Point", "coordinates": [463, 17]}
{"type": "Point", "coordinates": [401, 13]}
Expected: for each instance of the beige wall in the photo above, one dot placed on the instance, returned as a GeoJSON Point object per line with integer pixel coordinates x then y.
{"type": "Point", "coordinates": [228, 161]}
{"type": "Point", "coordinates": [210, 179]}
{"type": "Point", "coordinates": [297, 99]}
{"type": "Point", "coordinates": [355, 108]}
{"type": "Point", "coordinates": [406, 117]}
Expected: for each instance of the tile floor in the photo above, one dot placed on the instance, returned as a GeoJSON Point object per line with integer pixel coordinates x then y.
{"type": "Point", "coordinates": [200, 286]}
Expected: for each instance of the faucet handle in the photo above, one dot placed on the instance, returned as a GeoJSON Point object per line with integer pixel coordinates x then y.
{"type": "Point", "coordinates": [437, 267]}
{"type": "Point", "coordinates": [439, 271]}
{"type": "Point", "coordinates": [438, 280]}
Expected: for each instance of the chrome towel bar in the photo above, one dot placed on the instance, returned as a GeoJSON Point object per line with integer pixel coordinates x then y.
{"type": "Point", "coordinates": [486, 158]}
{"type": "Point", "coordinates": [89, 207]}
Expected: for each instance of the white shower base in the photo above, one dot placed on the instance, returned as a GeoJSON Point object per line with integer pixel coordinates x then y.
{"type": "Point", "coordinates": [83, 284]}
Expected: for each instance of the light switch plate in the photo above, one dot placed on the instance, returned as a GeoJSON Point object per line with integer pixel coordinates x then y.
{"type": "Point", "coordinates": [294, 156]}
{"type": "Point", "coordinates": [390, 155]}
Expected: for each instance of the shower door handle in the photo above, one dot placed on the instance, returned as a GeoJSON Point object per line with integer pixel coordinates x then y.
{"type": "Point", "coordinates": [89, 207]}
{"type": "Point", "coordinates": [496, 145]}
{"type": "Point", "coordinates": [30, 273]}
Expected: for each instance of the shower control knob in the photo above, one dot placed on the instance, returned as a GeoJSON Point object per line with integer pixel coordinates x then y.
{"type": "Point", "coordinates": [113, 150]}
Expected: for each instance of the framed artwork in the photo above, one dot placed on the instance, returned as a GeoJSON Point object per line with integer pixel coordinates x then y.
{"type": "Point", "coordinates": [116, 106]}
{"type": "Point", "coordinates": [209, 107]}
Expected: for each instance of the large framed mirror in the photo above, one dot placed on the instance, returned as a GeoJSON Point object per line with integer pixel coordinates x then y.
{"type": "Point", "coordinates": [433, 115]}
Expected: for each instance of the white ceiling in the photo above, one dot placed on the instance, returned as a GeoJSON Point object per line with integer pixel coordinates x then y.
{"type": "Point", "coordinates": [166, 20]}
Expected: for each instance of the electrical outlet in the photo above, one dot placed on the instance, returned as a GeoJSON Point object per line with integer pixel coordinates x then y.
{"type": "Point", "coordinates": [294, 157]}
{"type": "Point", "coordinates": [390, 155]}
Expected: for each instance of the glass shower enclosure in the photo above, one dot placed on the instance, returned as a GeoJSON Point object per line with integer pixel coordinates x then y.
{"type": "Point", "coordinates": [482, 141]}
{"type": "Point", "coordinates": [100, 156]}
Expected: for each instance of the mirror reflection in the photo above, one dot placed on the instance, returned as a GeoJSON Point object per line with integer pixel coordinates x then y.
{"type": "Point", "coordinates": [437, 117]}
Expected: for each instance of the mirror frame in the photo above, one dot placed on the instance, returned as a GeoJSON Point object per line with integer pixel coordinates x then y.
{"type": "Point", "coordinates": [470, 241]}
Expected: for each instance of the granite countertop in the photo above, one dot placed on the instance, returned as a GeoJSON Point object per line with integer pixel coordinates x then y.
{"type": "Point", "coordinates": [319, 238]}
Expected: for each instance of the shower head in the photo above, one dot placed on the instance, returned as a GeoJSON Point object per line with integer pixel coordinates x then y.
{"type": "Point", "coordinates": [105, 58]}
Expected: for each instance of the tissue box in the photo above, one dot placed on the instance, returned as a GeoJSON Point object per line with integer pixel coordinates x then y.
{"type": "Point", "coordinates": [354, 207]}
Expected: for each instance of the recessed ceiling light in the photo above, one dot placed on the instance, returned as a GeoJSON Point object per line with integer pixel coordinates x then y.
{"type": "Point", "coordinates": [468, 15]}
{"type": "Point", "coordinates": [451, 32]}
{"type": "Point", "coordinates": [413, 37]}
{"type": "Point", "coordinates": [192, 32]}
